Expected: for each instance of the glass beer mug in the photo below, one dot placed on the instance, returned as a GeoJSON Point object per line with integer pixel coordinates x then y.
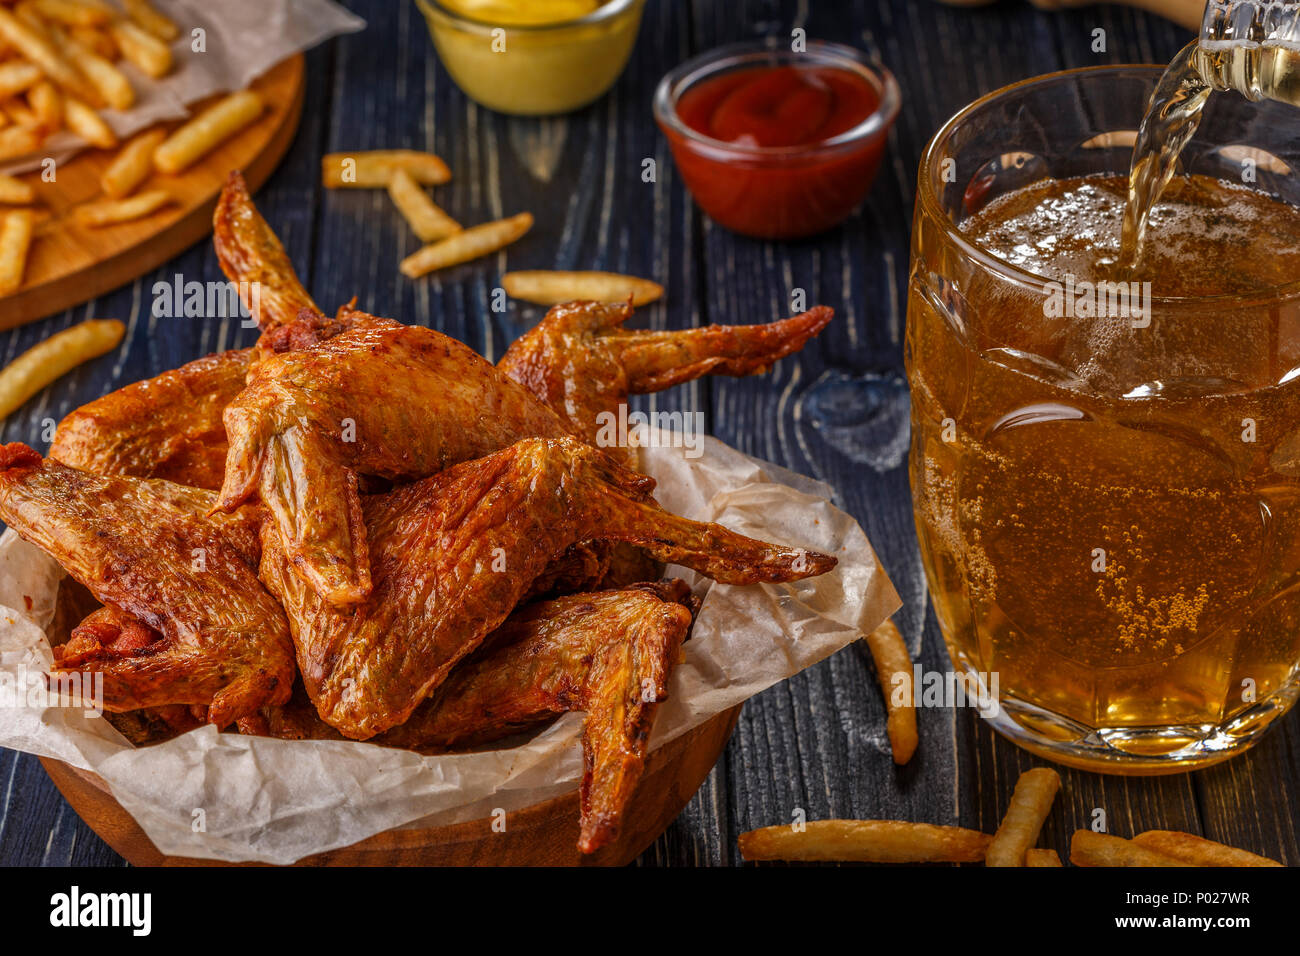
{"type": "Point", "coordinates": [1106, 474]}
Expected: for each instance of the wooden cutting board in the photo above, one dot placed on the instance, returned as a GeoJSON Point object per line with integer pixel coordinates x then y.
{"type": "Point", "coordinates": [69, 264]}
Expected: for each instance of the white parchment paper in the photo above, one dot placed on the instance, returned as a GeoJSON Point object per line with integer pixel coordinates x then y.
{"type": "Point", "coordinates": [277, 801]}
{"type": "Point", "coordinates": [242, 40]}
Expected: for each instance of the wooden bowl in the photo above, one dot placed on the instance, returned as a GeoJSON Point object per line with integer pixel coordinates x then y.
{"type": "Point", "coordinates": [545, 834]}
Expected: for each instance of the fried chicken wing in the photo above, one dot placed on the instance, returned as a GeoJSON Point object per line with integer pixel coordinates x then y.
{"type": "Point", "coordinates": [453, 554]}
{"type": "Point", "coordinates": [187, 620]}
{"type": "Point", "coordinates": [168, 427]}
{"type": "Point", "coordinates": [581, 361]}
{"type": "Point", "coordinates": [252, 257]}
{"type": "Point", "coordinates": [382, 399]}
{"type": "Point", "coordinates": [608, 653]}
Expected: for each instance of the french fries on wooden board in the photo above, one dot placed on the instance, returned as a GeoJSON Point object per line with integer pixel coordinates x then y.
{"type": "Point", "coordinates": [53, 358]}
{"type": "Point", "coordinates": [898, 841]}
{"type": "Point", "coordinates": [60, 65]}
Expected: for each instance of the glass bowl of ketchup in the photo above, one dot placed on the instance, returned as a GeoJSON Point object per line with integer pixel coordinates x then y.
{"type": "Point", "coordinates": [775, 143]}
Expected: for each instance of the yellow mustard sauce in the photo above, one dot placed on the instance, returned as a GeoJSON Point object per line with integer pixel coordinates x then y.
{"type": "Point", "coordinates": [533, 57]}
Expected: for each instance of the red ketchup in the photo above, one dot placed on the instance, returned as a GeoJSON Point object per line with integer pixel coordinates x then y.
{"type": "Point", "coordinates": [762, 164]}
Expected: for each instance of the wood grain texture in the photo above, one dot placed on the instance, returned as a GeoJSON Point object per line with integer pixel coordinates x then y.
{"type": "Point", "coordinates": [837, 411]}
{"type": "Point", "coordinates": [70, 263]}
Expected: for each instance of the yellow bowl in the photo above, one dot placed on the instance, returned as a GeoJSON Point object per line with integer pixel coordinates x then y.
{"type": "Point", "coordinates": [535, 70]}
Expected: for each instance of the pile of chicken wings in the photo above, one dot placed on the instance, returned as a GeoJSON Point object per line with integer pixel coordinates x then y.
{"type": "Point", "coordinates": [364, 530]}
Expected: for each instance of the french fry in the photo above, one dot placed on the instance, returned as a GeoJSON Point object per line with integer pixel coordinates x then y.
{"type": "Point", "coordinates": [146, 17]}
{"type": "Point", "coordinates": [205, 132]}
{"type": "Point", "coordinates": [1199, 851]}
{"type": "Point", "coordinates": [21, 114]}
{"type": "Point", "coordinates": [15, 239]}
{"type": "Point", "coordinates": [17, 75]}
{"type": "Point", "coordinates": [426, 218]}
{"type": "Point", "coordinates": [97, 41]}
{"type": "Point", "coordinates": [110, 83]}
{"type": "Point", "coordinates": [549, 288]}
{"type": "Point", "coordinates": [47, 361]}
{"type": "Point", "coordinates": [15, 192]}
{"type": "Point", "coordinates": [75, 13]}
{"type": "Point", "coordinates": [19, 141]}
{"type": "Point", "coordinates": [133, 164]}
{"type": "Point", "coordinates": [890, 654]}
{"type": "Point", "coordinates": [37, 48]}
{"type": "Point", "coordinates": [1101, 849]}
{"type": "Point", "coordinates": [372, 170]}
{"type": "Point", "coordinates": [866, 841]}
{"type": "Point", "coordinates": [87, 124]}
{"type": "Point", "coordinates": [142, 48]}
{"type": "Point", "coordinates": [1036, 856]}
{"type": "Point", "coordinates": [47, 103]}
{"type": "Point", "coordinates": [107, 212]}
{"type": "Point", "coordinates": [463, 246]}
{"type": "Point", "coordinates": [1030, 803]}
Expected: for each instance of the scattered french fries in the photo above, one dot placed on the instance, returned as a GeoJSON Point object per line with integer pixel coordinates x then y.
{"type": "Point", "coordinates": [106, 212]}
{"type": "Point", "coordinates": [1030, 803]}
{"type": "Point", "coordinates": [110, 83]}
{"type": "Point", "coordinates": [149, 19]}
{"type": "Point", "coordinates": [1037, 856]}
{"type": "Point", "coordinates": [46, 103]}
{"type": "Point", "coordinates": [463, 246]}
{"type": "Point", "coordinates": [19, 141]}
{"type": "Point", "coordinates": [97, 41]}
{"type": "Point", "coordinates": [426, 218]}
{"type": "Point", "coordinates": [55, 357]}
{"type": "Point", "coordinates": [374, 169]}
{"type": "Point", "coordinates": [1198, 851]}
{"type": "Point", "coordinates": [75, 13]}
{"type": "Point", "coordinates": [87, 124]}
{"type": "Point", "coordinates": [208, 130]}
{"type": "Point", "coordinates": [17, 76]}
{"type": "Point", "coordinates": [866, 841]}
{"type": "Point", "coordinates": [15, 192]}
{"type": "Point", "coordinates": [35, 46]}
{"type": "Point", "coordinates": [132, 166]}
{"type": "Point", "coordinates": [889, 651]}
{"type": "Point", "coordinates": [15, 240]}
{"type": "Point", "coordinates": [151, 55]}
{"type": "Point", "coordinates": [546, 287]}
{"type": "Point", "coordinates": [1101, 849]}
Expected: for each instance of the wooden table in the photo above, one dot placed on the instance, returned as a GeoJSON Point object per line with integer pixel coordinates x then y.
{"type": "Point", "coordinates": [838, 411]}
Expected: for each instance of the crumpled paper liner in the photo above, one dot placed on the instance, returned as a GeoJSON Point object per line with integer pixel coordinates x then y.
{"type": "Point", "coordinates": [244, 39]}
{"type": "Point", "coordinates": [277, 801]}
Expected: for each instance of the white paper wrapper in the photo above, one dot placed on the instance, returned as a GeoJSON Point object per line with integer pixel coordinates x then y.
{"type": "Point", "coordinates": [243, 39]}
{"type": "Point", "coordinates": [277, 801]}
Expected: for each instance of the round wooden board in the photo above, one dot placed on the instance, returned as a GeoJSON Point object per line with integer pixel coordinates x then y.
{"type": "Point", "coordinates": [69, 264]}
{"type": "Point", "coordinates": [544, 834]}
